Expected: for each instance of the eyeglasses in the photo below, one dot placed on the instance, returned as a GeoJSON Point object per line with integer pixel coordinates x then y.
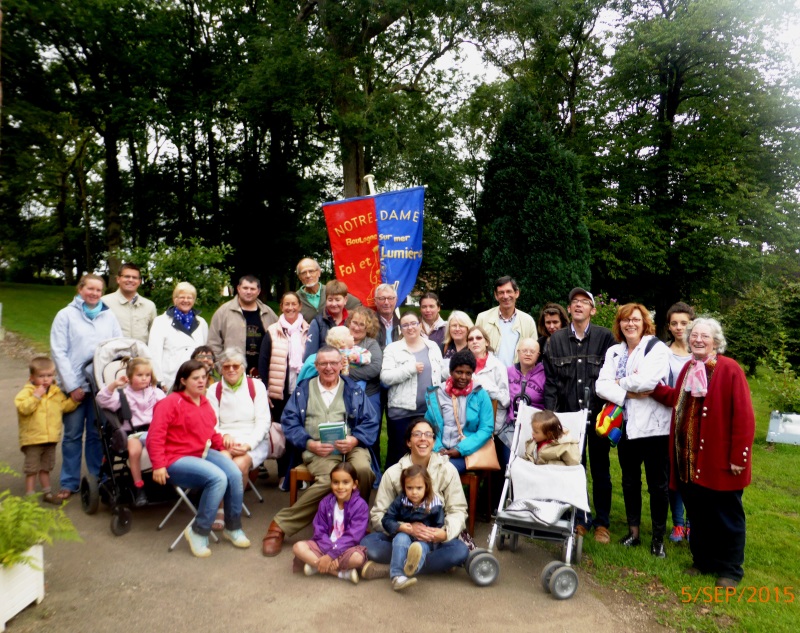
{"type": "Point", "coordinates": [581, 302]}
{"type": "Point", "coordinates": [231, 366]}
{"type": "Point", "coordinates": [635, 321]}
{"type": "Point", "coordinates": [475, 338]}
{"type": "Point", "coordinates": [405, 326]}
{"type": "Point", "coordinates": [528, 351]}
{"type": "Point", "coordinates": [303, 273]}
{"type": "Point", "coordinates": [320, 363]}
{"type": "Point", "coordinates": [417, 435]}
{"type": "Point", "coordinates": [131, 277]}
{"type": "Point", "coordinates": [385, 299]}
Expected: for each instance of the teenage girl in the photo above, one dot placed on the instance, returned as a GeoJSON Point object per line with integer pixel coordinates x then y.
{"type": "Point", "coordinates": [339, 526]}
{"type": "Point", "coordinates": [550, 443]}
{"type": "Point", "coordinates": [142, 395]}
{"type": "Point", "coordinates": [417, 504]}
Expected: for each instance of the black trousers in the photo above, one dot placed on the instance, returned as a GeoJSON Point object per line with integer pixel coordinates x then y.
{"type": "Point", "coordinates": [718, 529]}
{"type": "Point", "coordinates": [653, 452]}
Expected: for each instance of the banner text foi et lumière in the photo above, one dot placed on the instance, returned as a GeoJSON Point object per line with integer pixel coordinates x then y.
{"type": "Point", "coordinates": [377, 239]}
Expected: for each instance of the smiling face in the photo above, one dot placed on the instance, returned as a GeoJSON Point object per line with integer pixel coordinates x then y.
{"type": "Point", "coordinates": [458, 333]}
{"type": "Point", "coordinates": [429, 310]}
{"type": "Point", "coordinates": [677, 324]}
{"type": "Point", "coordinates": [308, 272]}
{"type": "Point", "coordinates": [334, 304]}
{"type": "Point", "coordinates": [248, 294]}
{"type": "Point", "coordinates": [184, 301]}
{"type": "Point", "coordinates": [129, 281]}
{"type": "Point", "coordinates": [701, 342]}
{"type": "Point", "coordinates": [632, 327]}
{"type": "Point", "coordinates": [232, 371]}
{"type": "Point", "coordinates": [422, 440]}
{"type": "Point", "coordinates": [195, 384]}
{"type": "Point", "coordinates": [415, 489]}
{"type": "Point", "coordinates": [477, 343]}
{"type": "Point", "coordinates": [385, 302]}
{"type": "Point", "coordinates": [409, 326]}
{"type": "Point", "coordinates": [461, 376]}
{"type": "Point", "coordinates": [581, 309]}
{"type": "Point", "coordinates": [507, 297]}
{"type": "Point", "coordinates": [342, 486]}
{"type": "Point", "coordinates": [290, 308]}
{"type": "Point", "coordinates": [91, 291]}
{"type": "Point", "coordinates": [328, 365]}
{"type": "Point", "coordinates": [358, 327]}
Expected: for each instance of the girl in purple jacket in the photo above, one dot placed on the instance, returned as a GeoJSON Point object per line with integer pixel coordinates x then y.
{"type": "Point", "coordinates": [339, 526]}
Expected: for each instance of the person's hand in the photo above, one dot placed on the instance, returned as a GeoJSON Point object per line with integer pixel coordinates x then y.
{"type": "Point", "coordinates": [119, 382]}
{"type": "Point", "coordinates": [353, 358]}
{"type": "Point", "coordinates": [237, 450]}
{"type": "Point", "coordinates": [77, 394]}
{"type": "Point", "coordinates": [737, 470]}
{"type": "Point", "coordinates": [450, 452]}
{"type": "Point", "coordinates": [228, 441]}
{"type": "Point", "coordinates": [346, 445]}
{"type": "Point", "coordinates": [420, 368]}
{"type": "Point", "coordinates": [637, 395]}
{"type": "Point", "coordinates": [160, 475]}
{"type": "Point", "coordinates": [319, 449]}
{"type": "Point", "coordinates": [422, 532]}
{"type": "Point", "coordinates": [39, 391]}
{"type": "Point", "coordinates": [324, 564]}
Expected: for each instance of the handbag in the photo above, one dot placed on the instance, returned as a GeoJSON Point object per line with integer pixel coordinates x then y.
{"type": "Point", "coordinates": [485, 458]}
{"type": "Point", "coordinates": [277, 441]}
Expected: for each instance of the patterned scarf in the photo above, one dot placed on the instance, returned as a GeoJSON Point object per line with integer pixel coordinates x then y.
{"type": "Point", "coordinates": [451, 391]}
{"type": "Point", "coordinates": [184, 319]}
{"type": "Point", "coordinates": [294, 332]}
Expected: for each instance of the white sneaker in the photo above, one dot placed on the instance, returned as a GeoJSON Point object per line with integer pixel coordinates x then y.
{"type": "Point", "coordinates": [237, 537]}
{"type": "Point", "coordinates": [402, 582]}
{"type": "Point", "coordinates": [197, 543]}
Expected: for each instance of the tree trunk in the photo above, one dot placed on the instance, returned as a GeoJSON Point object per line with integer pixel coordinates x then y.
{"type": "Point", "coordinates": [113, 202]}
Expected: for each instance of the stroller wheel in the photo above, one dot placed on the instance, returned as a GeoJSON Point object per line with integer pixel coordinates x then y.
{"type": "Point", "coordinates": [471, 557]}
{"type": "Point", "coordinates": [484, 569]}
{"type": "Point", "coordinates": [121, 520]}
{"type": "Point", "coordinates": [564, 583]}
{"type": "Point", "coordinates": [547, 573]}
{"type": "Point", "coordinates": [577, 550]}
{"type": "Point", "coordinates": [90, 494]}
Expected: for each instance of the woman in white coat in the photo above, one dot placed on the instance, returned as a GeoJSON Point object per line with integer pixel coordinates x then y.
{"type": "Point", "coordinates": [176, 333]}
{"type": "Point", "coordinates": [631, 371]}
{"type": "Point", "coordinates": [410, 366]}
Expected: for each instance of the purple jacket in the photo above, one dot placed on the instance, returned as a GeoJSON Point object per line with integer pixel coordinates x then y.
{"type": "Point", "coordinates": [534, 387]}
{"type": "Point", "coordinates": [356, 517]}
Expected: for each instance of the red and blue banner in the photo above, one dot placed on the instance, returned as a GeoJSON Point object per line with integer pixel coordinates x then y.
{"type": "Point", "coordinates": [377, 239]}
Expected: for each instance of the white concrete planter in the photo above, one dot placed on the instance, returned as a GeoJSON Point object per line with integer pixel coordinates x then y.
{"type": "Point", "coordinates": [20, 585]}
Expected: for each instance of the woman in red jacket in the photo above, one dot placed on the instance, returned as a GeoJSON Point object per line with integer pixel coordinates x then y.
{"type": "Point", "coordinates": [710, 451]}
{"type": "Point", "coordinates": [185, 448]}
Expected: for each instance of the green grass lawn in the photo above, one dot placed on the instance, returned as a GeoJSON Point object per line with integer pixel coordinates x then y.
{"type": "Point", "coordinates": [772, 504]}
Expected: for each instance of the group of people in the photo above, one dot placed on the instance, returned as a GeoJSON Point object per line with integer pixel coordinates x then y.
{"type": "Point", "coordinates": [446, 389]}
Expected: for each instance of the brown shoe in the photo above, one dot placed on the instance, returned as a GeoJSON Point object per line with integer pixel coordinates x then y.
{"type": "Point", "coordinates": [722, 581]}
{"type": "Point", "coordinates": [692, 571]}
{"type": "Point", "coordinates": [273, 540]}
{"type": "Point", "coordinates": [580, 530]}
{"type": "Point", "coordinates": [372, 570]}
{"type": "Point", "coordinates": [601, 535]}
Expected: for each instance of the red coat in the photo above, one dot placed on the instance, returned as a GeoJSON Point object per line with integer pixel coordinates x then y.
{"type": "Point", "coordinates": [180, 428]}
{"type": "Point", "coordinates": [726, 429]}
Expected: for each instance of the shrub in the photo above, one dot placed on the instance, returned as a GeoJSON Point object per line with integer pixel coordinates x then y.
{"type": "Point", "coordinates": [606, 310]}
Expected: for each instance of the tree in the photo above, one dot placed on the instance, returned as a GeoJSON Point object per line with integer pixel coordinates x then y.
{"type": "Point", "coordinates": [533, 205]}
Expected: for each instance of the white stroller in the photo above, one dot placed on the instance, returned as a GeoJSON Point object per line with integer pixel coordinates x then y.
{"type": "Point", "coordinates": [541, 502]}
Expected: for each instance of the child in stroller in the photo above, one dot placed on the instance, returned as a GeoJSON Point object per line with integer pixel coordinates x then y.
{"type": "Point", "coordinates": [550, 443]}
{"type": "Point", "coordinates": [134, 394]}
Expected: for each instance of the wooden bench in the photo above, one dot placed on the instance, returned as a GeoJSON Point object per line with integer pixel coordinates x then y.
{"type": "Point", "coordinates": [469, 479]}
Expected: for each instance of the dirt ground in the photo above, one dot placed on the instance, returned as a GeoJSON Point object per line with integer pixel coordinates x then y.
{"type": "Point", "coordinates": [109, 583]}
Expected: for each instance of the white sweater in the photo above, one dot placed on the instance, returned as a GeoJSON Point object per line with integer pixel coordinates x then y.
{"type": "Point", "coordinates": [172, 347]}
{"type": "Point", "coordinates": [644, 416]}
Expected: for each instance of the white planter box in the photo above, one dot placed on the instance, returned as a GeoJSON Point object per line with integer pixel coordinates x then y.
{"type": "Point", "coordinates": [20, 585]}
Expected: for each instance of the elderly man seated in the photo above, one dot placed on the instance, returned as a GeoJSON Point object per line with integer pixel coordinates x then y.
{"type": "Point", "coordinates": [327, 398]}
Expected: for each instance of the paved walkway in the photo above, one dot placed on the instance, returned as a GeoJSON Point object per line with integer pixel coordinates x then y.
{"type": "Point", "coordinates": [109, 583]}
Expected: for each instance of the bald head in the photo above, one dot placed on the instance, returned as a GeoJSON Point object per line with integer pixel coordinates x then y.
{"type": "Point", "coordinates": [308, 271]}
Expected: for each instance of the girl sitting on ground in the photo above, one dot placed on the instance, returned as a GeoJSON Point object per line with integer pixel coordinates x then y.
{"type": "Point", "coordinates": [416, 504]}
{"type": "Point", "coordinates": [550, 442]}
{"type": "Point", "coordinates": [141, 392]}
{"type": "Point", "coordinates": [339, 526]}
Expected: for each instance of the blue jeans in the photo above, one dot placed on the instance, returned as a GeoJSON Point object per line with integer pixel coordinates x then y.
{"type": "Point", "coordinates": [219, 479]}
{"type": "Point", "coordinates": [442, 557]}
{"type": "Point", "coordinates": [676, 506]}
{"type": "Point", "coordinates": [72, 446]}
{"type": "Point", "coordinates": [400, 544]}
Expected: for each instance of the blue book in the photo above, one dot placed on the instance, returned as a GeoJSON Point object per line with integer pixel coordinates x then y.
{"type": "Point", "coordinates": [330, 432]}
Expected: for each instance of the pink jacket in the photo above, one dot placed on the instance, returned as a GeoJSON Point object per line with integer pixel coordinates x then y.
{"type": "Point", "coordinates": [141, 403]}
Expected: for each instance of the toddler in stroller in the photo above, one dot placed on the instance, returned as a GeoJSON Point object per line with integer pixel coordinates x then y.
{"type": "Point", "coordinates": [134, 395]}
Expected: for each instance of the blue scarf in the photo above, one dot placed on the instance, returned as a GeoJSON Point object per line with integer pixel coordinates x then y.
{"type": "Point", "coordinates": [185, 319]}
{"type": "Point", "coordinates": [92, 312]}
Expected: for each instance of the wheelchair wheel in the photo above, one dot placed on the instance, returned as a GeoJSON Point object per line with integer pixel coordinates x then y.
{"type": "Point", "coordinates": [547, 573]}
{"type": "Point", "coordinates": [484, 569]}
{"type": "Point", "coordinates": [121, 520]}
{"type": "Point", "coordinates": [90, 494]}
{"type": "Point", "coordinates": [564, 583]}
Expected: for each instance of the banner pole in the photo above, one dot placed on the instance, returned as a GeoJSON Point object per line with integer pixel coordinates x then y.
{"type": "Point", "coordinates": [370, 180]}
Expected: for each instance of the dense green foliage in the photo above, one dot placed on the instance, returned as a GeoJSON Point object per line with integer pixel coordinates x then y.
{"type": "Point", "coordinates": [127, 123]}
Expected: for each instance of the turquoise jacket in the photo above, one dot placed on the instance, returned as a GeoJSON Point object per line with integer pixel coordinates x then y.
{"type": "Point", "coordinates": [477, 428]}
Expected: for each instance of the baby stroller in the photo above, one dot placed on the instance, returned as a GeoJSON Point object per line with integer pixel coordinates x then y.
{"type": "Point", "coordinates": [540, 502]}
{"type": "Point", "coordinates": [114, 485]}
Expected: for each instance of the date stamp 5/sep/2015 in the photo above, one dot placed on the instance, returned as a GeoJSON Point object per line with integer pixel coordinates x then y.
{"type": "Point", "coordinates": [745, 594]}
